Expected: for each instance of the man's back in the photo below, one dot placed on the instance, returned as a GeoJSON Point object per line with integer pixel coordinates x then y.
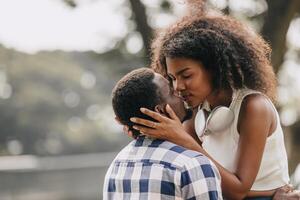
{"type": "Point", "coordinates": [157, 169]}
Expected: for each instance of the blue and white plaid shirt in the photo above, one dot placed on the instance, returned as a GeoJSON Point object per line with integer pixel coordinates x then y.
{"type": "Point", "coordinates": [157, 169]}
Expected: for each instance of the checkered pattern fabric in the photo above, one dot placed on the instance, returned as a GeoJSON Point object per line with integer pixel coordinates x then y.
{"type": "Point", "coordinates": [157, 169]}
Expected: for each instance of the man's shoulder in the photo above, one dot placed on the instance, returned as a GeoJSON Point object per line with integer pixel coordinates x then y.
{"type": "Point", "coordinates": [162, 152]}
{"type": "Point", "coordinates": [177, 155]}
{"type": "Point", "coordinates": [167, 167]}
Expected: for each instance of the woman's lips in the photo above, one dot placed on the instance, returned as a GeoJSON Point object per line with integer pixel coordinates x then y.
{"type": "Point", "coordinates": [186, 97]}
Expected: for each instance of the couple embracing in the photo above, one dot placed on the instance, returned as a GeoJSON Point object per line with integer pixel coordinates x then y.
{"type": "Point", "coordinates": [203, 120]}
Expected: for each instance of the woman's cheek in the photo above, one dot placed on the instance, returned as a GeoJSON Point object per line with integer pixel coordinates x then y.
{"type": "Point", "coordinates": [189, 84]}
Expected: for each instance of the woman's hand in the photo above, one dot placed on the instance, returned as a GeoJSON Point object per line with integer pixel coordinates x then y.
{"type": "Point", "coordinates": [166, 128]}
{"type": "Point", "coordinates": [287, 192]}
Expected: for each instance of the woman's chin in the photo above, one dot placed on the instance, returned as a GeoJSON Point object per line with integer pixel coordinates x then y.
{"type": "Point", "coordinates": [192, 104]}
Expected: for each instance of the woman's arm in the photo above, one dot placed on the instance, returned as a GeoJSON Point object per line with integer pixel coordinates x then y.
{"type": "Point", "coordinates": [255, 120]}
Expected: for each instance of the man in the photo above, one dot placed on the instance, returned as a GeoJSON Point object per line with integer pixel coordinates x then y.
{"type": "Point", "coordinates": [155, 169]}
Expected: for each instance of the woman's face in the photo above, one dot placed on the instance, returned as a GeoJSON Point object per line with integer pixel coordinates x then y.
{"type": "Point", "coordinates": [168, 96]}
{"type": "Point", "coordinates": [190, 79]}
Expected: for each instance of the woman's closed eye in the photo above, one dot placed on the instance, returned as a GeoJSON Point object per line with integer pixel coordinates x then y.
{"type": "Point", "coordinates": [186, 76]}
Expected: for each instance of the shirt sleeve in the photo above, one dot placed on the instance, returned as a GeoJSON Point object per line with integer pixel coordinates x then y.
{"type": "Point", "coordinates": [105, 189]}
{"type": "Point", "coordinates": [200, 179]}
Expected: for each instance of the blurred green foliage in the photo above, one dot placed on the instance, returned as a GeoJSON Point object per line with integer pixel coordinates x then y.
{"type": "Point", "coordinates": [60, 102]}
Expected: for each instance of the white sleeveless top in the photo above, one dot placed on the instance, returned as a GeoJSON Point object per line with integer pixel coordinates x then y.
{"type": "Point", "coordinates": [273, 171]}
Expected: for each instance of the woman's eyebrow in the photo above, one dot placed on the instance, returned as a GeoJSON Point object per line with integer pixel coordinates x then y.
{"type": "Point", "coordinates": [179, 72]}
{"type": "Point", "coordinates": [182, 71]}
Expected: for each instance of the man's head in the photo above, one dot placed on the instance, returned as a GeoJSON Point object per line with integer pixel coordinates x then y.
{"type": "Point", "coordinates": [144, 88]}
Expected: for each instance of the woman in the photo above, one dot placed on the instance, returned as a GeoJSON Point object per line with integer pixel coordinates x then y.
{"type": "Point", "coordinates": [214, 61]}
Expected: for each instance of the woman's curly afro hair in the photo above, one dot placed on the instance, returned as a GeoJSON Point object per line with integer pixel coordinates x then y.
{"type": "Point", "coordinates": [236, 56]}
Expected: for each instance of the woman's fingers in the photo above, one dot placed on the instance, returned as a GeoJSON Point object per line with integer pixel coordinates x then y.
{"type": "Point", "coordinates": [153, 114]}
{"type": "Point", "coordinates": [146, 131]}
{"type": "Point", "coordinates": [171, 112]}
{"type": "Point", "coordinates": [144, 122]}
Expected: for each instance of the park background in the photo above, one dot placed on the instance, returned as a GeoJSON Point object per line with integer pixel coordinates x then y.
{"type": "Point", "coordinates": [59, 60]}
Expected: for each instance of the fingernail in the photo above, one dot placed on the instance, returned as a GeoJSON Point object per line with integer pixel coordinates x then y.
{"type": "Point", "coordinates": [135, 127]}
{"type": "Point", "coordinates": [142, 109]}
{"type": "Point", "coordinates": [132, 119]}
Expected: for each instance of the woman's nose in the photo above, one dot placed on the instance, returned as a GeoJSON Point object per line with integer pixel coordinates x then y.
{"type": "Point", "coordinates": [178, 86]}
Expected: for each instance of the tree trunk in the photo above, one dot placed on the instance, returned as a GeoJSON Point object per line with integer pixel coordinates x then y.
{"type": "Point", "coordinates": [142, 25]}
{"type": "Point", "coordinates": [294, 157]}
{"type": "Point", "coordinates": [277, 20]}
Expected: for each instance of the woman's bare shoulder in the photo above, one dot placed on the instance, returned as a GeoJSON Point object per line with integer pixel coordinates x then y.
{"type": "Point", "coordinates": [256, 112]}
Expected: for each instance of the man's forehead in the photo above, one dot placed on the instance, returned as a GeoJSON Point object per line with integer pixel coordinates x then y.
{"type": "Point", "coordinates": [161, 82]}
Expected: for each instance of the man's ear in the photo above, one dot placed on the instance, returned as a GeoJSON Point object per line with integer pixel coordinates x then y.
{"type": "Point", "coordinates": [118, 120]}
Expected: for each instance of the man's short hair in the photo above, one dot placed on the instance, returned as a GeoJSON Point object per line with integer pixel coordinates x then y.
{"type": "Point", "coordinates": [135, 90]}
